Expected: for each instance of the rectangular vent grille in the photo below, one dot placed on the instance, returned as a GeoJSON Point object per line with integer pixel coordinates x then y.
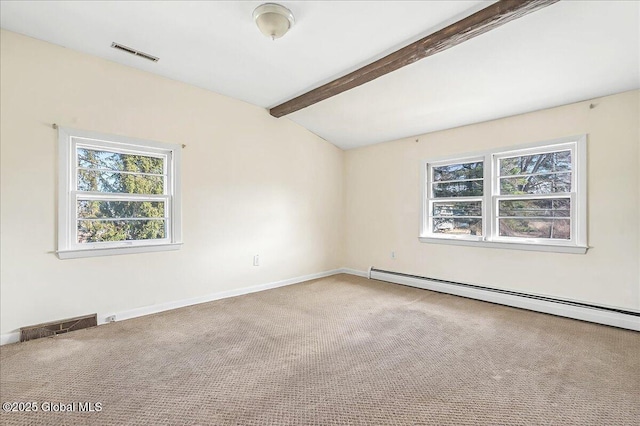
{"type": "Point", "coordinates": [134, 52]}
{"type": "Point", "coordinates": [57, 327]}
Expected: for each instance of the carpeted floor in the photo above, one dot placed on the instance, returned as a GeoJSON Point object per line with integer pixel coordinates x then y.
{"type": "Point", "coordinates": [334, 351]}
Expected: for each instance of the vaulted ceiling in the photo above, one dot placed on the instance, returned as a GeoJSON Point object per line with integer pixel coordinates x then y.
{"type": "Point", "coordinates": [567, 52]}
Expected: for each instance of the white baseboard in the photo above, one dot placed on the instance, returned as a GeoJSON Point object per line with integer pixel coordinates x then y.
{"type": "Point", "coordinates": [600, 316]}
{"type": "Point", "coordinates": [161, 307]}
{"type": "Point", "coordinates": [14, 337]}
{"type": "Point", "coordinates": [7, 338]}
{"type": "Point", "coordinates": [354, 272]}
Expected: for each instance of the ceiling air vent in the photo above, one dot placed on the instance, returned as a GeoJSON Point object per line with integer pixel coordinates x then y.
{"type": "Point", "coordinates": [134, 52]}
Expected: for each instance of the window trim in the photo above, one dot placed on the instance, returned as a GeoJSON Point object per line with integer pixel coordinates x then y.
{"type": "Point", "coordinates": [68, 248]}
{"type": "Point", "coordinates": [428, 195]}
{"type": "Point", "coordinates": [490, 197]}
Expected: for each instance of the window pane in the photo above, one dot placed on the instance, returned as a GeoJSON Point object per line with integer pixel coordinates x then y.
{"type": "Point", "coordinates": [93, 231]}
{"type": "Point", "coordinates": [457, 189]}
{"type": "Point", "coordinates": [539, 163]}
{"type": "Point", "coordinates": [457, 226]}
{"type": "Point", "coordinates": [535, 208]}
{"type": "Point", "coordinates": [539, 184]}
{"type": "Point", "coordinates": [114, 182]}
{"type": "Point", "coordinates": [94, 209]}
{"type": "Point", "coordinates": [463, 208]}
{"type": "Point", "coordinates": [94, 159]}
{"type": "Point", "coordinates": [462, 171]}
{"type": "Point", "coordinates": [559, 229]}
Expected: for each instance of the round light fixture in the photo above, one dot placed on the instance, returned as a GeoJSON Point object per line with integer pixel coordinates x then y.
{"type": "Point", "coordinates": [273, 19]}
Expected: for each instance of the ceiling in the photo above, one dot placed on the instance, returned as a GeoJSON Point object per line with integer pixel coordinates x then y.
{"type": "Point", "coordinates": [567, 52]}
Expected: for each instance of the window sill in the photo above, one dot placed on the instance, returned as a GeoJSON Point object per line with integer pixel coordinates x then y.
{"type": "Point", "coordinates": [112, 251]}
{"type": "Point", "coordinates": [504, 245]}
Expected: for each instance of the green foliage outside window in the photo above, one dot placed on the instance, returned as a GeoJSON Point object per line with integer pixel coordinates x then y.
{"type": "Point", "coordinates": [110, 172]}
{"type": "Point", "coordinates": [536, 174]}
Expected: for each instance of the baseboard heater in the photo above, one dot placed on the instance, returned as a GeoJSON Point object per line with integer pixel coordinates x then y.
{"type": "Point", "coordinates": [582, 311]}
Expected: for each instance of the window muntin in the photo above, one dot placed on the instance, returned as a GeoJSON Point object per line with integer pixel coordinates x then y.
{"type": "Point", "coordinates": [117, 193]}
{"type": "Point", "coordinates": [532, 195]}
{"type": "Point", "coordinates": [458, 180]}
{"type": "Point", "coordinates": [105, 210]}
{"type": "Point", "coordinates": [535, 218]}
{"type": "Point", "coordinates": [543, 173]}
{"type": "Point", "coordinates": [455, 199]}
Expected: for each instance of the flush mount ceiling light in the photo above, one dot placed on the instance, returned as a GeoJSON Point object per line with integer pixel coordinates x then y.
{"type": "Point", "coordinates": [273, 20]}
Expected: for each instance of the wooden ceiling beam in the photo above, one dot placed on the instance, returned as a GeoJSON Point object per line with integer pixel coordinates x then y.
{"type": "Point", "coordinates": [493, 16]}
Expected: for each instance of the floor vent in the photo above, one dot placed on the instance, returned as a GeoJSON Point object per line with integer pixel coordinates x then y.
{"type": "Point", "coordinates": [57, 327]}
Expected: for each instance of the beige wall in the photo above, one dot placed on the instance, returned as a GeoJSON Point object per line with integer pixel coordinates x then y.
{"type": "Point", "coordinates": [252, 184]}
{"type": "Point", "coordinates": [382, 193]}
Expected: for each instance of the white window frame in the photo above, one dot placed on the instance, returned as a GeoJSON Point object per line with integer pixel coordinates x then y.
{"type": "Point", "coordinates": [491, 238]}
{"type": "Point", "coordinates": [68, 142]}
{"type": "Point", "coordinates": [428, 191]}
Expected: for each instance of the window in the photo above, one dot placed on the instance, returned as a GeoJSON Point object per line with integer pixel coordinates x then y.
{"type": "Point", "coordinates": [455, 205]}
{"type": "Point", "coordinates": [531, 197]}
{"type": "Point", "coordinates": [117, 195]}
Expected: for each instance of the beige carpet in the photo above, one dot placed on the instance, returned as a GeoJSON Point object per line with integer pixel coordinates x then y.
{"type": "Point", "coordinates": [335, 351]}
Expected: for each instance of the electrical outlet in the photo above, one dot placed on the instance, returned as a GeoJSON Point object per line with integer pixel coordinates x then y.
{"type": "Point", "coordinates": [393, 255]}
{"type": "Point", "coordinates": [256, 260]}
{"type": "Point", "coordinates": [110, 318]}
